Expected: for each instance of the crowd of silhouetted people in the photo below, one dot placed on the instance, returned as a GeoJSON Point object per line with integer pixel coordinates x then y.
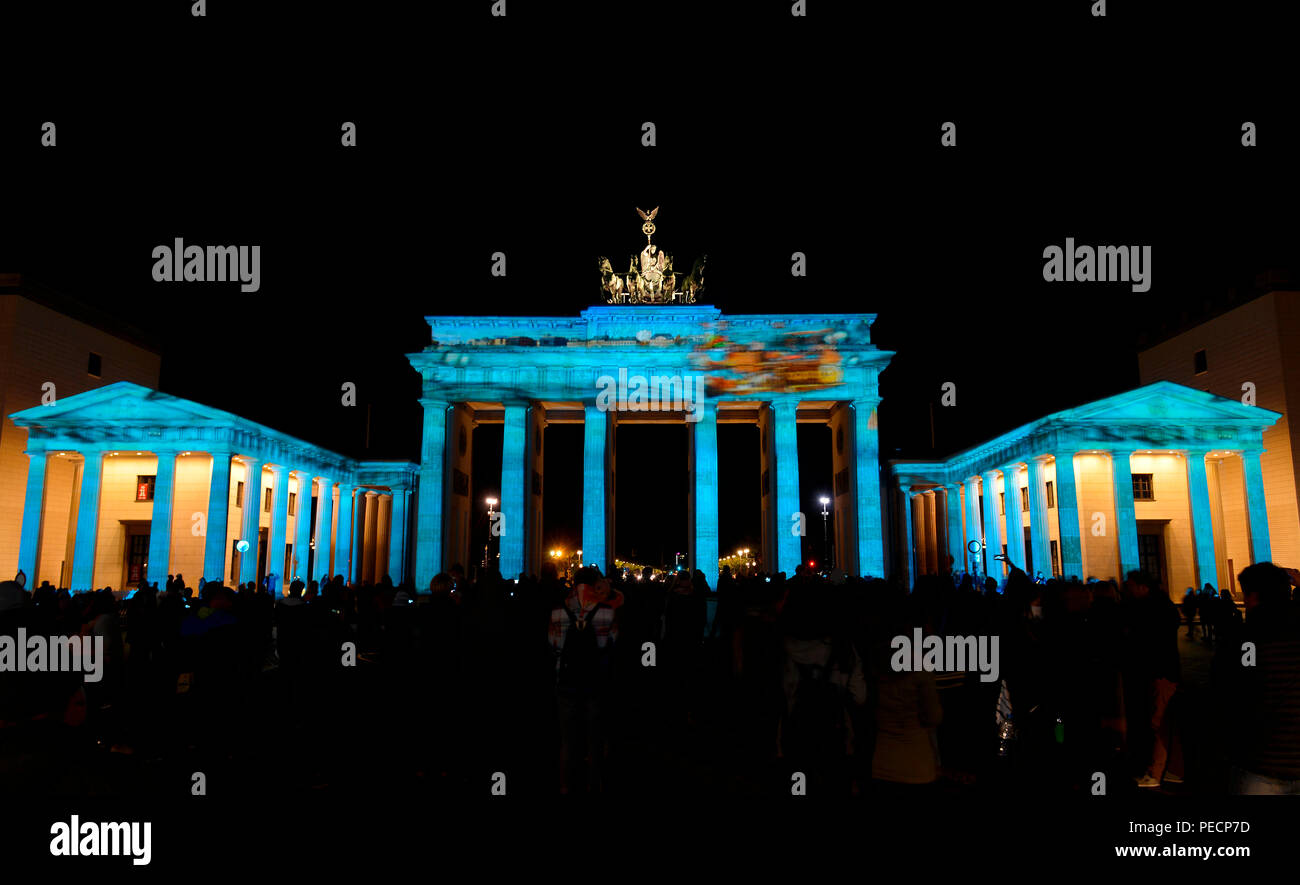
{"type": "Point", "coordinates": [762, 683]}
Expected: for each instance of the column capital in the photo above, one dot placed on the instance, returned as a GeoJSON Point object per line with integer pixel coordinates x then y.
{"type": "Point", "coordinates": [1041, 459]}
{"type": "Point", "coordinates": [784, 406]}
{"type": "Point", "coordinates": [1011, 467]}
{"type": "Point", "coordinates": [952, 486]}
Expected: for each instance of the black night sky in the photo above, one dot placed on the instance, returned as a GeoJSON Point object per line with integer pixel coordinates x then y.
{"type": "Point", "coordinates": [768, 143]}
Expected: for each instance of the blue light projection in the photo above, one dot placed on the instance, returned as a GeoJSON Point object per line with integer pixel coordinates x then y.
{"type": "Point", "coordinates": [751, 362]}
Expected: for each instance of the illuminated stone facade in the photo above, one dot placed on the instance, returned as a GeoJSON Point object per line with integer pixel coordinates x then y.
{"type": "Point", "coordinates": [768, 370]}
{"type": "Point", "coordinates": [46, 353]}
{"type": "Point", "coordinates": [1246, 354]}
{"type": "Point", "coordinates": [1147, 489]}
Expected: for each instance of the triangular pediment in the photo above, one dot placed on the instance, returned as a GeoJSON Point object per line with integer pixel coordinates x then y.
{"type": "Point", "coordinates": [1167, 402]}
{"type": "Point", "coordinates": [122, 403]}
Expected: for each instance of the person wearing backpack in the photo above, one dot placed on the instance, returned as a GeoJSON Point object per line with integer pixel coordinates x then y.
{"type": "Point", "coordinates": [582, 634]}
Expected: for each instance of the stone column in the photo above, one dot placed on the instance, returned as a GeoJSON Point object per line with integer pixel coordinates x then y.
{"type": "Point", "coordinates": [214, 544]}
{"type": "Point", "coordinates": [1039, 533]}
{"type": "Point", "coordinates": [930, 531]}
{"type": "Point", "coordinates": [343, 538]}
{"type": "Point", "coordinates": [767, 482]}
{"type": "Point", "coordinates": [1015, 525]}
{"type": "Point", "coordinates": [1067, 517]}
{"type": "Point", "coordinates": [535, 428]}
{"type": "Point", "coordinates": [302, 528]}
{"type": "Point", "coordinates": [976, 561]}
{"type": "Point", "coordinates": [705, 477]}
{"type": "Point", "coordinates": [866, 473]}
{"type": "Point", "coordinates": [1253, 474]}
{"type": "Point", "coordinates": [278, 537]}
{"type": "Point", "coordinates": [383, 534]}
{"type": "Point", "coordinates": [83, 557]}
{"type": "Point", "coordinates": [397, 537]}
{"type": "Point", "coordinates": [363, 519]}
{"type": "Point", "coordinates": [1198, 495]}
{"type": "Point", "coordinates": [991, 520]}
{"type": "Point", "coordinates": [910, 558]}
{"type": "Point", "coordinates": [429, 503]}
{"type": "Point", "coordinates": [594, 435]}
{"type": "Point", "coordinates": [251, 520]}
{"type": "Point", "coordinates": [514, 491]}
{"type": "Point", "coordinates": [789, 547]}
{"type": "Point", "coordinates": [29, 544]}
{"type": "Point", "coordinates": [1125, 514]}
{"type": "Point", "coordinates": [374, 534]}
{"type": "Point", "coordinates": [956, 540]}
{"type": "Point", "coordinates": [324, 535]}
{"type": "Point", "coordinates": [160, 525]}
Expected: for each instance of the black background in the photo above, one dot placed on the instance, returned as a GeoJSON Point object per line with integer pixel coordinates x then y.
{"type": "Point", "coordinates": [775, 135]}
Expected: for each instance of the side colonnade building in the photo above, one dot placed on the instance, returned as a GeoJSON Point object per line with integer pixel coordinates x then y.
{"type": "Point", "coordinates": [1164, 478]}
{"type": "Point", "coordinates": [125, 484]}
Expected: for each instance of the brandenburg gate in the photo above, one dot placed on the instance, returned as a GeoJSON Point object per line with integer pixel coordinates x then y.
{"type": "Point", "coordinates": [650, 354]}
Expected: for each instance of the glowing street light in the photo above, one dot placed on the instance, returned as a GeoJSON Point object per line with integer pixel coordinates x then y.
{"type": "Point", "coordinates": [826, 544]}
{"type": "Point", "coordinates": [487, 548]}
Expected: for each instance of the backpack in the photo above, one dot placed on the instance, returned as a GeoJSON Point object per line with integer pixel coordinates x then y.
{"type": "Point", "coordinates": [584, 665]}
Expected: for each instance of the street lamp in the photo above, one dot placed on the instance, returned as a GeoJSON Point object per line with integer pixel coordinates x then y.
{"type": "Point", "coordinates": [826, 544]}
{"type": "Point", "coordinates": [487, 547]}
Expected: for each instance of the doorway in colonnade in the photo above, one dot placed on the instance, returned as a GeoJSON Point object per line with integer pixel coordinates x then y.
{"type": "Point", "coordinates": [816, 481]}
{"type": "Point", "coordinates": [135, 553]}
{"type": "Point", "coordinates": [484, 493]}
{"type": "Point", "coordinates": [261, 555]}
{"type": "Point", "coordinates": [562, 496]}
{"type": "Point", "coordinates": [1151, 550]}
{"type": "Point", "coordinates": [740, 497]}
{"type": "Point", "coordinates": [651, 480]}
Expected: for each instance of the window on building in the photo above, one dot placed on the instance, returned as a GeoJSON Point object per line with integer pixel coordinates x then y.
{"type": "Point", "coordinates": [266, 502]}
{"type": "Point", "coordinates": [1056, 559]}
{"type": "Point", "coordinates": [1199, 364]}
{"type": "Point", "coordinates": [144, 488]}
{"type": "Point", "coordinates": [95, 365]}
{"type": "Point", "coordinates": [1051, 495]}
{"type": "Point", "coordinates": [1024, 499]}
{"type": "Point", "coordinates": [239, 494]}
{"type": "Point", "coordinates": [293, 502]}
{"type": "Point", "coordinates": [1002, 503]}
{"type": "Point", "coordinates": [1142, 487]}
